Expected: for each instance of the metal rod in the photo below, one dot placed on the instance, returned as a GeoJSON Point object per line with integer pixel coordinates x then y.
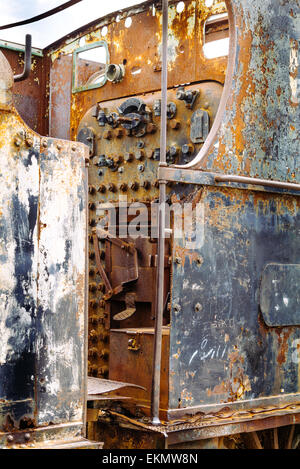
{"type": "Point", "coordinates": [257, 182]}
{"type": "Point", "coordinates": [27, 60]}
{"type": "Point", "coordinates": [155, 397]}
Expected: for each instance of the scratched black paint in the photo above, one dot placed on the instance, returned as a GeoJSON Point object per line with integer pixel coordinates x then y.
{"type": "Point", "coordinates": [223, 351]}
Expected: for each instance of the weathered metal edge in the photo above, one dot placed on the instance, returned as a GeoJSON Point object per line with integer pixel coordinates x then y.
{"type": "Point", "coordinates": [247, 404]}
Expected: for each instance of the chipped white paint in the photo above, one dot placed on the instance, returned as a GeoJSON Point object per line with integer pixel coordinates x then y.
{"type": "Point", "coordinates": [294, 65]}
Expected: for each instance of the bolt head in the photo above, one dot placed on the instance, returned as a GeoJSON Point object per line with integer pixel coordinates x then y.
{"type": "Point", "coordinates": [139, 155]}
{"type": "Point", "coordinates": [29, 141]}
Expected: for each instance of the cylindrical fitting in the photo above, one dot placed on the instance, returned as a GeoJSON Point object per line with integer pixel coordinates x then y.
{"type": "Point", "coordinates": [115, 73]}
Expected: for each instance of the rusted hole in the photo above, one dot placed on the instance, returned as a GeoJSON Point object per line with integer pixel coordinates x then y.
{"type": "Point", "coordinates": [128, 22]}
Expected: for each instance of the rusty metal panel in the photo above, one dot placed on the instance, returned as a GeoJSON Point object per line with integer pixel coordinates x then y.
{"type": "Point", "coordinates": [259, 126]}
{"type": "Point", "coordinates": [131, 353]}
{"type": "Point", "coordinates": [43, 270]}
{"type": "Point", "coordinates": [221, 349]}
{"type": "Point", "coordinates": [61, 282]}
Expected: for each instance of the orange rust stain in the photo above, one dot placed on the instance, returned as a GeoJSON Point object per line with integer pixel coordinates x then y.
{"type": "Point", "coordinates": [283, 337]}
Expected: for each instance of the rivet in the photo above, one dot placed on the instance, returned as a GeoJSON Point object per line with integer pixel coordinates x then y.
{"type": "Point", "coordinates": [58, 146]}
{"type": "Point", "coordinates": [128, 156]}
{"type": "Point", "coordinates": [102, 188]}
{"type": "Point", "coordinates": [134, 186]}
{"type": "Point", "coordinates": [187, 148]}
{"type": "Point", "coordinates": [107, 134]}
{"type": "Point", "coordinates": [177, 308]}
{"type": "Point", "coordinates": [44, 143]}
{"type": "Point", "coordinates": [94, 320]}
{"type": "Point", "coordinates": [111, 187]}
{"type": "Point", "coordinates": [93, 334]}
{"type": "Point", "coordinates": [29, 141]}
{"type": "Point", "coordinates": [123, 187]}
{"type": "Point", "coordinates": [104, 353]}
{"type": "Point", "coordinates": [104, 370]}
{"type": "Point", "coordinates": [17, 142]}
{"type": "Point", "coordinates": [93, 352]}
{"type": "Point", "coordinates": [10, 438]}
{"type": "Point", "coordinates": [198, 307]}
{"type": "Point", "coordinates": [27, 436]}
{"type": "Point", "coordinates": [73, 147]}
{"type": "Point", "coordinates": [93, 304]}
{"type": "Point", "coordinates": [178, 260]}
{"type": "Point", "coordinates": [141, 168]}
{"type": "Point", "coordinates": [118, 159]}
{"type": "Point", "coordinates": [146, 184]}
{"type": "Point", "coordinates": [92, 190]}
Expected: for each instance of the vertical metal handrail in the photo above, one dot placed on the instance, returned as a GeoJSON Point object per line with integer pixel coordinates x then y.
{"type": "Point", "coordinates": [155, 397]}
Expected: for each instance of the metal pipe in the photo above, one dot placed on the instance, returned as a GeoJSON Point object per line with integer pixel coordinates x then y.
{"type": "Point", "coordinates": [256, 182]}
{"type": "Point", "coordinates": [27, 60]}
{"type": "Point", "coordinates": [155, 396]}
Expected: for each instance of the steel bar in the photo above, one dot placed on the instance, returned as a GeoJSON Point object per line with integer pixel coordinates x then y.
{"type": "Point", "coordinates": [155, 397]}
{"type": "Point", "coordinates": [255, 181]}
